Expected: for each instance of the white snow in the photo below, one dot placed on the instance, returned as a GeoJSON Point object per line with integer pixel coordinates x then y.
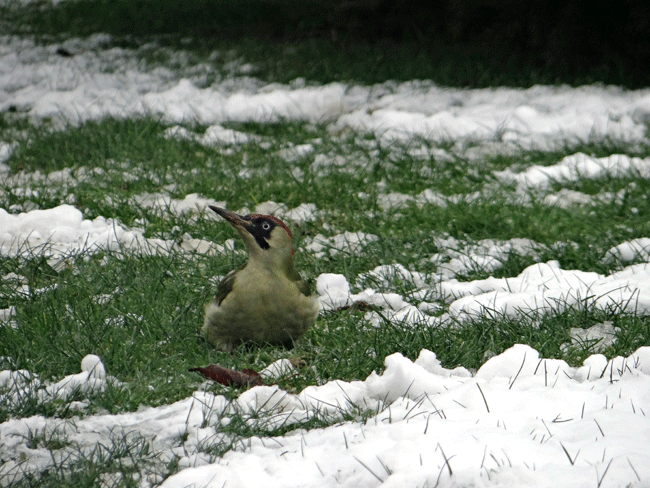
{"type": "Point", "coordinates": [305, 212]}
{"type": "Point", "coordinates": [391, 200]}
{"type": "Point", "coordinates": [631, 250]}
{"type": "Point", "coordinates": [277, 369]}
{"type": "Point", "coordinates": [535, 117]}
{"type": "Point", "coordinates": [596, 338]}
{"type": "Point", "coordinates": [349, 242]}
{"type": "Point", "coordinates": [7, 313]}
{"type": "Point", "coordinates": [545, 287]}
{"type": "Point", "coordinates": [95, 82]}
{"type": "Point", "coordinates": [541, 288]}
{"type": "Point", "coordinates": [22, 383]}
{"type": "Point", "coordinates": [163, 204]}
{"type": "Point", "coordinates": [520, 421]}
{"type": "Point", "coordinates": [63, 230]}
{"type": "Point", "coordinates": [576, 166]}
{"type": "Point", "coordinates": [458, 258]}
{"type": "Point", "coordinates": [214, 135]}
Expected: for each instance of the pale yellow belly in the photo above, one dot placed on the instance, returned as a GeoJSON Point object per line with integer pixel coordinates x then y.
{"type": "Point", "coordinates": [272, 310]}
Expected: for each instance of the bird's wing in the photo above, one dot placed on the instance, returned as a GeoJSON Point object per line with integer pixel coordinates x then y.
{"type": "Point", "coordinates": [304, 286]}
{"type": "Point", "coordinates": [225, 286]}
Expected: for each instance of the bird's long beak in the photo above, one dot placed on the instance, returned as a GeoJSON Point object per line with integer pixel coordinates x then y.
{"type": "Point", "coordinates": [237, 221]}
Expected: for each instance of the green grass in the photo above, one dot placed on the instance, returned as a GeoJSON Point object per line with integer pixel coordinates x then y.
{"type": "Point", "coordinates": [147, 332]}
{"type": "Point", "coordinates": [146, 326]}
{"type": "Point", "coordinates": [332, 41]}
{"type": "Point", "coordinates": [117, 463]}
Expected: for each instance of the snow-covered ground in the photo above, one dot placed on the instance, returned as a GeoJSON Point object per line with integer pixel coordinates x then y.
{"type": "Point", "coordinates": [521, 420]}
{"type": "Point", "coordinates": [95, 82]}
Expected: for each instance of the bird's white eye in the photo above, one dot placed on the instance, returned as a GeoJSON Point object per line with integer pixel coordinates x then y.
{"type": "Point", "coordinates": [266, 226]}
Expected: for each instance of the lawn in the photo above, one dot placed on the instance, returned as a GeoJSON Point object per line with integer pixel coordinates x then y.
{"type": "Point", "coordinates": [141, 311]}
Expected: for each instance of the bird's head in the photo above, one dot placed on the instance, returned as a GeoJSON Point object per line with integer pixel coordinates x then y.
{"type": "Point", "coordinates": [266, 237]}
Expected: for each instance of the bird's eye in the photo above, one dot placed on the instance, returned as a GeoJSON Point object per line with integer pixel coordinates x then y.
{"type": "Point", "coordinates": [266, 226]}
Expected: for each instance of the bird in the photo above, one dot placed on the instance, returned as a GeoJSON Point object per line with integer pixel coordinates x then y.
{"type": "Point", "coordinates": [266, 301]}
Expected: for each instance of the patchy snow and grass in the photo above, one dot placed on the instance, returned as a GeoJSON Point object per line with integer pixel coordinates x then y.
{"type": "Point", "coordinates": [520, 420]}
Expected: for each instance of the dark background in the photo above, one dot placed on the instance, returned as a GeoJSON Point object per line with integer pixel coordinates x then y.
{"type": "Point", "coordinates": [563, 41]}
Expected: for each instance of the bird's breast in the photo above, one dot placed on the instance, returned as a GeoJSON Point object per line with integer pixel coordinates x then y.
{"type": "Point", "coordinates": [264, 307]}
{"type": "Point", "coordinates": [269, 293]}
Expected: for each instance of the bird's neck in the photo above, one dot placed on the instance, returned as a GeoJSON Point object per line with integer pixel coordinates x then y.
{"type": "Point", "coordinates": [273, 264]}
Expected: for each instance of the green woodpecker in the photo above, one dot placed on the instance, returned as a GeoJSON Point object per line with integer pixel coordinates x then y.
{"type": "Point", "coordinates": [265, 301]}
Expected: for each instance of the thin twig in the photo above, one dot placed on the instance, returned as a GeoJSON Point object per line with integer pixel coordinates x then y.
{"type": "Point", "coordinates": [446, 459]}
{"type": "Point", "coordinates": [572, 461]}
{"type": "Point", "coordinates": [599, 428]}
{"type": "Point", "coordinates": [637, 474]}
{"type": "Point", "coordinates": [600, 481]}
{"type": "Point", "coordinates": [517, 375]}
{"type": "Point", "coordinates": [484, 400]}
{"type": "Point", "coordinates": [369, 470]}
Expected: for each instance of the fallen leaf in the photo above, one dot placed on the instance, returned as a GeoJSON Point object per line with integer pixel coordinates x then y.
{"type": "Point", "coordinates": [230, 377]}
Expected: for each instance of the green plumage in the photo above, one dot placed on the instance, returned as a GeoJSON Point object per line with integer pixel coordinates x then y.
{"type": "Point", "coordinates": [266, 300]}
